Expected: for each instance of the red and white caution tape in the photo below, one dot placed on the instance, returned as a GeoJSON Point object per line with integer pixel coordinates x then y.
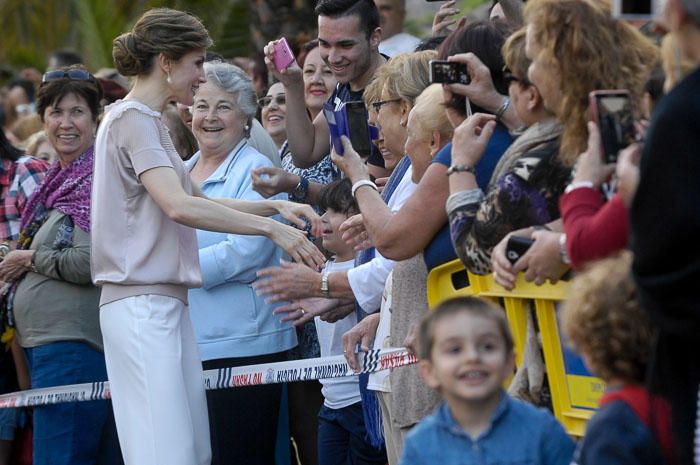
{"type": "Point", "coordinates": [222, 378]}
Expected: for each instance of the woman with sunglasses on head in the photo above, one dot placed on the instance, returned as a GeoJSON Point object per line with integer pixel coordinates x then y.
{"type": "Point", "coordinates": [52, 299]}
{"type": "Point", "coordinates": [145, 253]}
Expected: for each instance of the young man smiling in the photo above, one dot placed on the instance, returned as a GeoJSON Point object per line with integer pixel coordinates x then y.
{"type": "Point", "coordinates": [349, 36]}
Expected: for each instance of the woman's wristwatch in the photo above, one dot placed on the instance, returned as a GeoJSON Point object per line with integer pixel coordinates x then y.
{"type": "Point", "coordinates": [562, 250]}
{"type": "Point", "coordinates": [301, 191]}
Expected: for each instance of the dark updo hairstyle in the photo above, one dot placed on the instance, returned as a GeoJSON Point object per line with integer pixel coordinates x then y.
{"type": "Point", "coordinates": [52, 92]}
{"type": "Point", "coordinates": [160, 30]}
{"type": "Point", "coordinates": [484, 39]}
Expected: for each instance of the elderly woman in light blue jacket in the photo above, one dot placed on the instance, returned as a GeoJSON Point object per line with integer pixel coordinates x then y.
{"type": "Point", "coordinates": [234, 326]}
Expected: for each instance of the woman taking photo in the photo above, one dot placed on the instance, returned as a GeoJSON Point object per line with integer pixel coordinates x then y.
{"type": "Point", "coordinates": [234, 327]}
{"type": "Point", "coordinates": [53, 301]}
{"type": "Point", "coordinates": [145, 250]}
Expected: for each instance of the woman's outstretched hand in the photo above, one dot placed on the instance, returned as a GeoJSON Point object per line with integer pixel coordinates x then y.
{"type": "Point", "coordinates": [297, 245]}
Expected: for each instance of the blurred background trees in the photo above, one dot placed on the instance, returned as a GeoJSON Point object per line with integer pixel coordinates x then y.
{"type": "Point", "coordinates": [31, 29]}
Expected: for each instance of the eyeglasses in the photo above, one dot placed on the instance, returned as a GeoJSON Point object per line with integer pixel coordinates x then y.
{"type": "Point", "coordinates": [509, 77]}
{"type": "Point", "coordinates": [71, 74]}
{"type": "Point", "coordinates": [267, 100]}
{"type": "Point", "coordinates": [378, 105]}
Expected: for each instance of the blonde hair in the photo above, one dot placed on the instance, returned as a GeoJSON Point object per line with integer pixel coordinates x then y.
{"type": "Point", "coordinates": [592, 51]}
{"type": "Point", "coordinates": [514, 55]}
{"type": "Point", "coordinates": [408, 74]}
{"type": "Point", "coordinates": [373, 90]}
{"type": "Point", "coordinates": [433, 117]}
{"type": "Point", "coordinates": [32, 143]}
{"type": "Point", "coordinates": [674, 65]}
{"type": "Point", "coordinates": [604, 321]}
{"type": "Point", "coordinates": [27, 126]}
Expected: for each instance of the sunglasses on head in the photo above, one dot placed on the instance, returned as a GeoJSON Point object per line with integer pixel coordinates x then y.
{"type": "Point", "coordinates": [71, 74]}
{"type": "Point", "coordinates": [267, 100]}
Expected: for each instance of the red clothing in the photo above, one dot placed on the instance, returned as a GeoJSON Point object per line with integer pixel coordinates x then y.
{"type": "Point", "coordinates": [655, 412]}
{"type": "Point", "coordinates": [594, 228]}
{"type": "Point", "coordinates": [18, 179]}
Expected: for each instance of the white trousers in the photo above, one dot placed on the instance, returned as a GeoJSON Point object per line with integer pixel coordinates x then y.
{"type": "Point", "coordinates": [156, 379]}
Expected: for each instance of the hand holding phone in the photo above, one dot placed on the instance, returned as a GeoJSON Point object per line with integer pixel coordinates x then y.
{"type": "Point", "coordinates": [516, 247]}
{"type": "Point", "coordinates": [611, 110]}
{"type": "Point", "coordinates": [448, 72]}
{"type": "Point", "coordinates": [283, 55]}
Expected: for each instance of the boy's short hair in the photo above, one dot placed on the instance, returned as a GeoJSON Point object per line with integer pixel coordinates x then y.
{"type": "Point", "coordinates": [337, 196]}
{"type": "Point", "coordinates": [471, 305]}
{"type": "Point", "coordinates": [603, 320]}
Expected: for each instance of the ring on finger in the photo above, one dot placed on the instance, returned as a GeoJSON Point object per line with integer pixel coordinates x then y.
{"type": "Point", "coordinates": [302, 311]}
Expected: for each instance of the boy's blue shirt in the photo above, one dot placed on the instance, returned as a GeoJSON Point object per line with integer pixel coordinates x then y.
{"type": "Point", "coordinates": [519, 433]}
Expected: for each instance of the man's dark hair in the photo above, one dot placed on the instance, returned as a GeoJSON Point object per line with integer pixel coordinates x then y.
{"type": "Point", "coordinates": [24, 84]}
{"type": "Point", "coordinates": [366, 10]}
{"type": "Point", "coordinates": [337, 196]}
{"type": "Point", "coordinates": [66, 57]}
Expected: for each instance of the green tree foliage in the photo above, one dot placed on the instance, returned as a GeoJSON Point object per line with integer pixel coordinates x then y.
{"type": "Point", "coordinates": [34, 28]}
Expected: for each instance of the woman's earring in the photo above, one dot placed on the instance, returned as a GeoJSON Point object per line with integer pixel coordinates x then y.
{"type": "Point", "coordinates": [167, 79]}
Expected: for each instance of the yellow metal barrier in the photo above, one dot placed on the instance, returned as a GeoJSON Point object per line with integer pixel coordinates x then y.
{"type": "Point", "coordinates": [575, 392]}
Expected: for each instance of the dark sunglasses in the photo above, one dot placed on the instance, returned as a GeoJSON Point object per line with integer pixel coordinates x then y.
{"type": "Point", "coordinates": [378, 105]}
{"type": "Point", "coordinates": [71, 74]}
{"type": "Point", "coordinates": [267, 100]}
{"type": "Point", "coordinates": [509, 77]}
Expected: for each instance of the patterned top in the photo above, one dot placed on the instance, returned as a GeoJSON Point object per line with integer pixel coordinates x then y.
{"type": "Point", "coordinates": [526, 195]}
{"type": "Point", "coordinates": [323, 172]}
{"type": "Point", "coordinates": [18, 179]}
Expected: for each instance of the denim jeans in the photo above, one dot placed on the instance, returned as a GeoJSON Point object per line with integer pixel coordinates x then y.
{"type": "Point", "coordinates": [73, 433]}
{"type": "Point", "coordinates": [342, 438]}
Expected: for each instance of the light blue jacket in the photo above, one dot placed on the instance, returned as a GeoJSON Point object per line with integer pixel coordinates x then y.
{"type": "Point", "coordinates": [519, 434]}
{"type": "Point", "coordinates": [229, 319]}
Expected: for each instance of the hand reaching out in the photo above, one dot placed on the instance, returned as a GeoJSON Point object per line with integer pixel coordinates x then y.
{"type": "Point", "coordinates": [354, 233]}
{"type": "Point", "coordinates": [270, 180]}
{"type": "Point", "coordinates": [362, 335]}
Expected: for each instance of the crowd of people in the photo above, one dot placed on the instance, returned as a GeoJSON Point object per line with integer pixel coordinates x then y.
{"type": "Point", "coordinates": [169, 216]}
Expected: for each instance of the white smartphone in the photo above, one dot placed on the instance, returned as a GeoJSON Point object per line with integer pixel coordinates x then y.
{"type": "Point", "coordinates": [645, 10]}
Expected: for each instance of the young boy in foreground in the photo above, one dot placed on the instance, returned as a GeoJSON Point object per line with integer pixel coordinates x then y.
{"type": "Point", "coordinates": [466, 353]}
{"type": "Point", "coordinates": [606, 325]}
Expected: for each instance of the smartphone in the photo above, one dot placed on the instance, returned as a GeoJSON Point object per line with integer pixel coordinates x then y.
{"type": "Point", "coordinates": [516, 248]}
{"type": "Point", "coordinates": [350, 120]}
{"type": "Point", "coordinates": [611, 110]}
{"type": "Point", "coordinates": [283, 54]}
{"type": "Point", "coordinates": [644, 10]}
{"type": "Point", "coordinates": [448, 72]}
{"type": "Point", "coordinates": [356, 114]}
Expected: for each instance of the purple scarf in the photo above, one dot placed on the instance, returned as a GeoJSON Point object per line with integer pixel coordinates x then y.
{"type": "Point", "coordinates": [67, 190]}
